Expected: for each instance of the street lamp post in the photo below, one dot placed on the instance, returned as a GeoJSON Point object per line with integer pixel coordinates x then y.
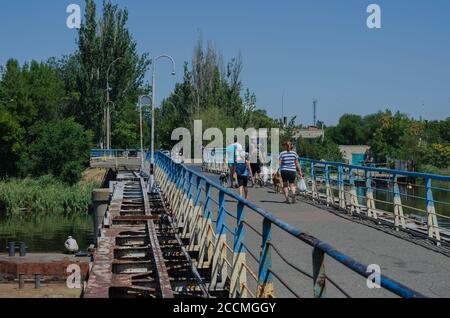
{"type": "Point", "coordinates": [108, 108]}
{"type": "Point", "coordinates": [144, 100]}
{"type": "Point", "coordinates": [152, 151]}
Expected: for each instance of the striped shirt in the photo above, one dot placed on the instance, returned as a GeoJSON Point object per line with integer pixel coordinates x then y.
{"type": "Point", "coordinates": [288, 161]}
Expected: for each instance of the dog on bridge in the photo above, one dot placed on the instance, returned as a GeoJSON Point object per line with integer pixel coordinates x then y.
{"type": "Point", "coordinates": [277, 181]}
{"type": "Point", "coordinates": [224, 176]}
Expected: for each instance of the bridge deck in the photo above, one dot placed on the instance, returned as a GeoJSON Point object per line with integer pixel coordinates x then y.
{"type": "Point", "coordinates": [425, 271]}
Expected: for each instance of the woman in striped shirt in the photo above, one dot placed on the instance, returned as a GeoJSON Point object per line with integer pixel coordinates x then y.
{"type": "Point", "coordinates": [289, 165]}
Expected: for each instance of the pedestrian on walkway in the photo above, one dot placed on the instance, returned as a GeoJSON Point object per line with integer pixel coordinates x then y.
{"type": "Point", "coordinates": [233, 156]}
{"type": "Point", "coordinates": [244, 172]}
{"type": "Point", "coordinates": [289, 165]}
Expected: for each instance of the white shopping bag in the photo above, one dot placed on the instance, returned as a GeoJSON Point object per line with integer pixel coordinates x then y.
{"type": "Point", "coordinates": [302, 185]}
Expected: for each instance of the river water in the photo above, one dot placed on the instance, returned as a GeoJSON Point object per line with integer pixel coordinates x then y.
{"type": "Point", "coordinates": [47, 234]}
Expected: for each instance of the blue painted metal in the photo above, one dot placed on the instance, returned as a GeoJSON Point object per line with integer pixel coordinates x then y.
{"type": "Point", "coordinates": [380, 170]}
{"type": "Point", "coordinates": [104, 153]}
{"type": "Point", "coordinates": [430, 201]}
{"type": "Point", "coordinates": [220, 225]}
{"type": "Point", "coordinates": [368, 182]}
{"type": "Point", "coordinates": [198, 192]}
{"type": "Point", "coordinates": [265, 277]}
{"type": "Point", "coordinates": [207, 210]}
{"type": "Point", "coordinates": [319, 277]}
{"type": "Point", "coordinates": [340, 175]}
{"type": "Point", "coordinates": [265, 264]}
{"type": "Point", "coordinates": [327, 175]}
{"type": "Point", "coordinates": [240, 229]}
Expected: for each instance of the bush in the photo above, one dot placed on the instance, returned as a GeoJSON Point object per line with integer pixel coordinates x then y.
{"type": "Point", "coordinates": [60, 149]}
{"type": "Point", "coordinates": [44, 196]}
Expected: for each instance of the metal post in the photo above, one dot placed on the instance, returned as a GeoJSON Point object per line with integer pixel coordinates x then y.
{"type": "Point", "coordinates": [315, 193]}
{"type": "Point", "coordinates": [152, 158]}
{"type": "Point", "coordinates": [22, 249]}
{"type": "Point", "coordinates": [433, 226]}
{"type": "Point", "coordinates": [370, 202]}
{"type": "Point", "coordinates": [12, 249]}
{"type": "Point", "coordinates": [21, 281]}
{"type": "Point", "coordinates": [108, 109]}
{"type": "Point", "coordinates": [100, 201]}
{"type": "Point", "coordinates": [37, 281]}
{"type": "Point", "coordinates": [142, 138]}
{"type": "Point", "coordinates": [342, 203]}
{"type": "Point", "coordinates": [319, 276]}
{"type": "Point", "coordinates": [141, 104]}
{"type": "Point", "coordinates": [398, 207]}
{"type": "Point", "coordinates": [265, 277]}
{"type": "Point", "coordinates": [354, 203]}
{"type": "Point", "coordinates": [238, 276]}
{"type": "Point", "coordinates": [329, 190]}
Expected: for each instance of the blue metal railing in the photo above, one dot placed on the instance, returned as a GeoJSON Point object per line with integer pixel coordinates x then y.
{"type": "Point", "coordinates": [194, 186]}
{"type": "Point", "coordinates": [412, 201]}
{"type": "Point", "coordinates": [113, 153]}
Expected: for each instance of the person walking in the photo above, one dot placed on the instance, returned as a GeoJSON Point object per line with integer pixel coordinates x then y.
{"type": "Point", "coordinates": [233, 156]}
{"type": "Point", "coordinates": [243, 173]}
{"type": "Point", "coordinates": [289, 165]}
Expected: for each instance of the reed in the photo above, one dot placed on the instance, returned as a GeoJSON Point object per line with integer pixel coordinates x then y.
{"type": "Point", "coordinates": [44, 196]}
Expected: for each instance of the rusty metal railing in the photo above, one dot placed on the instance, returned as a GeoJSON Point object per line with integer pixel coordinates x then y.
{"type": "Point", "coordinates": [202, 211]}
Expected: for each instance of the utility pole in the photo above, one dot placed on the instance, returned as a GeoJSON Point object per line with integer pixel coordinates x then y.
{"type": "Point", "coordinates": [108, 106]}
{"type": "Point", "coordinates": [284, 119]}
{"type": "Point", "coordinates": [315, 112]}
{"type": "Point", "coordinates": [151, 184]}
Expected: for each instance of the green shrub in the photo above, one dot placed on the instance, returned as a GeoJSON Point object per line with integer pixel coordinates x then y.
{"type": "Point", "coordinates": [44, 196]}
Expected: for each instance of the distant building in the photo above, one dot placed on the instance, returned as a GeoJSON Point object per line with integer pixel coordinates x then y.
{"type": "Point", "coordinates": [354, 155]}
{"type": "Point", "coordinates": [311, 133]}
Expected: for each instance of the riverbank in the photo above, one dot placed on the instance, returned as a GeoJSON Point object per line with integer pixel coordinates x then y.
{"type": "Point", "coordinates": [47, 233]}
{"type": "Point", "coordinates": [43, 212]}
{"type": "Point", "coordinates": [25, 198]}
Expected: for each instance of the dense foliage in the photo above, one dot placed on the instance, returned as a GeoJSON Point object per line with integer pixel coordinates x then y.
{"type": "Point", "coordinates": [397, 136]}
{"type": "Point", "coordinates": [212, 92]}
{"type": "Point", "coordinates": [44, 196]}
{"type": "Point", "coordinates": [52, 113]}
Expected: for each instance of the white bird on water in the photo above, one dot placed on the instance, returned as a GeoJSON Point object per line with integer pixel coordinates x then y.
{"type": "Point", "coordinates": [71, 245]}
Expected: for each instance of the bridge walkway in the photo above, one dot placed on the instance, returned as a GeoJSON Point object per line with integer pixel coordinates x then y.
{"type": "Point", "coordinates": [421, 269]}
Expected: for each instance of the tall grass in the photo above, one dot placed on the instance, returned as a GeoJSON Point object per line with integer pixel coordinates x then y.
{"type": "Point", "coordinates": [44, 196]}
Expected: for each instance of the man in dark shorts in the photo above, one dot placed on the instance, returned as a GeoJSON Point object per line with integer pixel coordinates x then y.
{"type": "Point", "coordinates": [289, 165]}
{"type": "Point", "coordinates": [244, 172]}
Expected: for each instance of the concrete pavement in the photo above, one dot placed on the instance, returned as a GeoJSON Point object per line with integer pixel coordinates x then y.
{"type": "Point", "coordinates": [423, 270]}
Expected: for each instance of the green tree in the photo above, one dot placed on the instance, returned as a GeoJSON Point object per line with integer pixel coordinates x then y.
{"type": "Point", "coordinates": [11, 136]}
{"type": "Point", "coordinates": [319, 149]}
{"type": "Point", "coordinates": [60, 148]}
{"type": "Point", "coordinates": [349, 131]}
{"type": "Point", "coordinates": [100, 43]}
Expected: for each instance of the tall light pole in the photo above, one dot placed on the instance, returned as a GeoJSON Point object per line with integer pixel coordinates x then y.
{"type": "Point", "coordinates": [144, 100]}
{"type": "Point", "coordinates": [152, 152]}
{"type": "Point", "coordinates": [108, 108]}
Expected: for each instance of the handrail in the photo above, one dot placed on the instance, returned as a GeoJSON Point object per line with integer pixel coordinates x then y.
{"type": "Point", "coordinates": [321, 248]}
{"type": "Point", "coordinates": [361, 188]}
{"type": "Point", "coordinates": [381, 170]}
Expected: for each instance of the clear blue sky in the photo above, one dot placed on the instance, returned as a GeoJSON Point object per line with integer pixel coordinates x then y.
{"type": "Point", "coordinates": [311, 49]}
